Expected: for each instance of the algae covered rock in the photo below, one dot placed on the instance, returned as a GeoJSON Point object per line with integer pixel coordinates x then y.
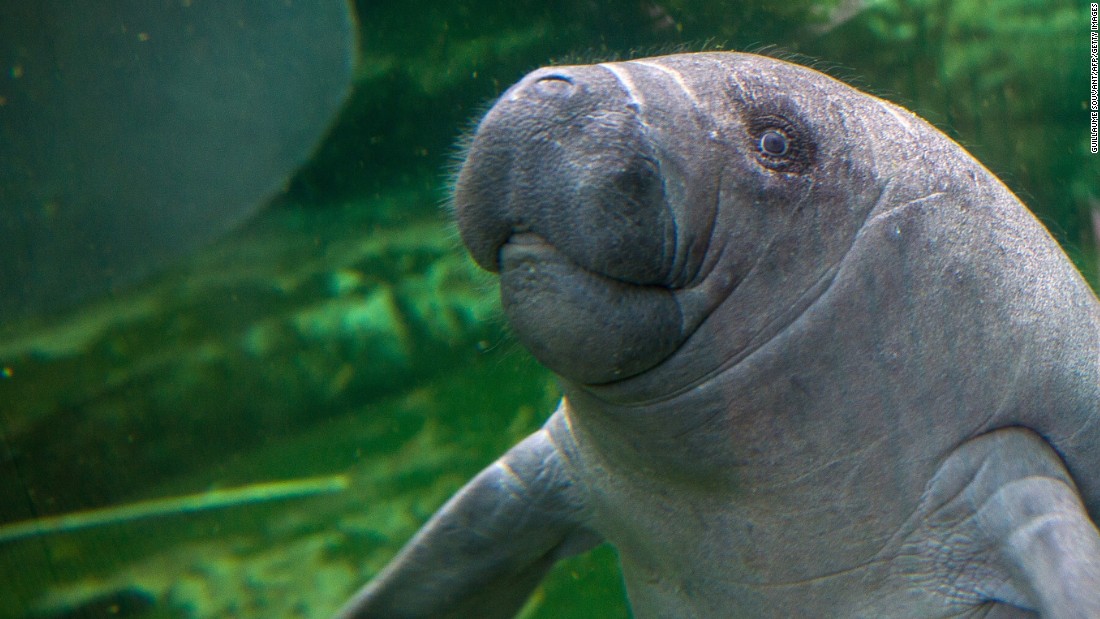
{"type": "Point", "coordinates": [266, 333]}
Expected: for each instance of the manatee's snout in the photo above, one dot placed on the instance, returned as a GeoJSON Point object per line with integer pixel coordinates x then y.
{"type": "Point", "coordinates": [563, 155]}
{"type": "Point", "coordinates": [562, 193]}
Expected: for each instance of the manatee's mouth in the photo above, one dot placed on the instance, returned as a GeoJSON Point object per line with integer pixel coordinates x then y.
{"type": "Point", "coordinates": [565, 193]}
{"type": "Point", "coordinates": [585, 326]}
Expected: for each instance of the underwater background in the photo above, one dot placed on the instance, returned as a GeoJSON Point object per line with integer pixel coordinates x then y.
{"type": "Point", "coordinates": [263, 421]}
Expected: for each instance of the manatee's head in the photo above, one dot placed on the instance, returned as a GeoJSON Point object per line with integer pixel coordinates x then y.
{"type": "Point", "coordinates": [658, 219]}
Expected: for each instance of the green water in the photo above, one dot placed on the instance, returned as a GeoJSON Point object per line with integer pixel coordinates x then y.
{"type": "Point", "coordinates": [344, 332]}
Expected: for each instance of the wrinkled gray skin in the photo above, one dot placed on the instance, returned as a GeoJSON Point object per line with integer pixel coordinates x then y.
{"type": "Point", "coordinates": [817, 360]}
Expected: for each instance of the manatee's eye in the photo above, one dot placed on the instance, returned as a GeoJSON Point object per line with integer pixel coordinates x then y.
{"type": "Point", "coordinates": [774, 143]}
{"type": "Point", "coordinates": [780, 143]}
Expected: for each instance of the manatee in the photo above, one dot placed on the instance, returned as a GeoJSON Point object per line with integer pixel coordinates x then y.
{"type": "Point", "coordinates": [817, 361]}
{"type": "Point", "coordinates": [133, 133]}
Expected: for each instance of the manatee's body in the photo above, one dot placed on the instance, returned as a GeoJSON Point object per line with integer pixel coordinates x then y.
{"type": "Point", "coordinates": [817, 360]}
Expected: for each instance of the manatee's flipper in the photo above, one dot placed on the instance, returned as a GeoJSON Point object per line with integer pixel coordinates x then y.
{"type": "Point", "coordinates": [1009, 527]}
{"type": "Point", "coordinates": [487, 548]}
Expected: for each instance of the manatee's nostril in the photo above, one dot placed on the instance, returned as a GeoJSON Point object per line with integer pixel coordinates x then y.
{"type": "Point", "coordinates": [556, 77]}
{"type": "Point", "coordinates": [554, 85]}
